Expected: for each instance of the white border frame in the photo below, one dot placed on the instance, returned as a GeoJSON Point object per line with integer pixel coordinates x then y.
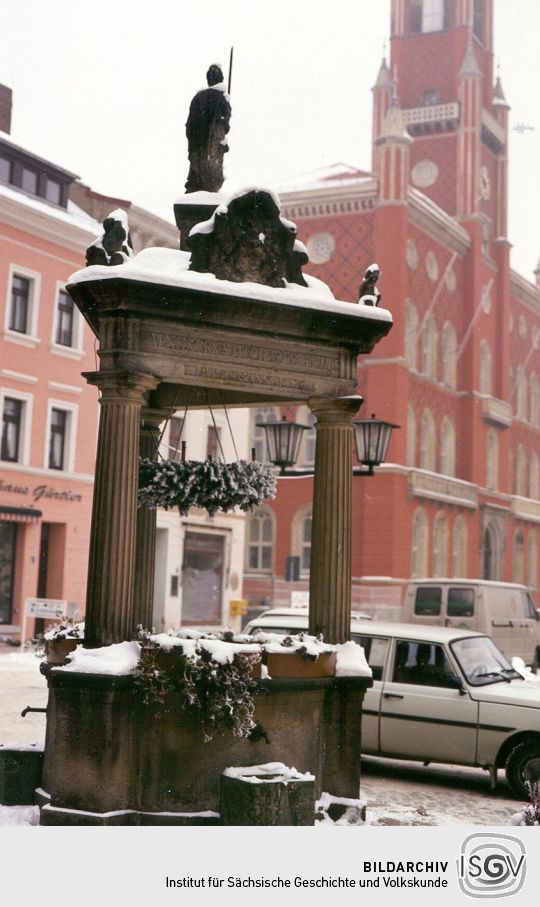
{"type": "Point", "coordinates": [31, 338]}
{"type": "Point", "coordinates": [26, 424]}
{"type": "Point", "coordinates": [71, 352]}
{"type": "Point", "coordinates": [71, 436]}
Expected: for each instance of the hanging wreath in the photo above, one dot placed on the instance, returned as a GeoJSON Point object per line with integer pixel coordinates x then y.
{"type": "Point", "coordinates": [209, 484]}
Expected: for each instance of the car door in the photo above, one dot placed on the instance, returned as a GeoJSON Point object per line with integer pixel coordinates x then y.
{"type": "Point", "coordinates": [424, 715]}
{"type": "Point", "coordinates": [376, 652]}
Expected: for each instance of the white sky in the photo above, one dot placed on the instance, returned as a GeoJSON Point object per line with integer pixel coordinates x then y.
{"type": "Point", "coordinates": [103, 87]}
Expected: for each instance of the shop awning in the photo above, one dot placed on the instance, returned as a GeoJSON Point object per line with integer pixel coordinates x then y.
{"type": "Point", "coordinates": [20, 514]}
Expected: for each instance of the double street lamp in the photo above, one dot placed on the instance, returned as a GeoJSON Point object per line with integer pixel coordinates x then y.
{"type": "Point", "coordinates": [283, 439]}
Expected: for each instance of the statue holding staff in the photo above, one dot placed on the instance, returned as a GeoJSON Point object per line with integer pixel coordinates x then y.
{"type": "Point", "coordinates": [206, 130]}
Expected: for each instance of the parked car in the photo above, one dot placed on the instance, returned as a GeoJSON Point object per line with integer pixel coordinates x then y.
{"type": "Point", "coordinates": [443, 694]}
{"type": "Point", "coordinates": [504, 611]}
{"type": "Point", "coordinates": [291, 620]}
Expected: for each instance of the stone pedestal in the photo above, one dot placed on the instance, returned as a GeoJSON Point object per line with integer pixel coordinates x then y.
{"type": "Point", "coordinates": [262, 800]}
{"type": "Point", "coordinates": [330, 564]}
{"type": "Point", "coordinates": [109, 605]}
{"type": "Point", "coordinates": [188, 213]}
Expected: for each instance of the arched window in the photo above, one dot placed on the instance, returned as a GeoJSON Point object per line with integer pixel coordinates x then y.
{"type": "Point", "coordinates": [490, 554]}
{"type": "Point", "coordinates": [301, 536]}
{"type": "Point", "coordinates": [260, 541]}
{"type": "Point", "coordinates": [440, 546]}
{"type": "Point", "coordinates": [429, 348]}
{"type": "Point", "coordinates": [306, 456]}
{"type": "Point", "coordinates": [534, 477]}
{"type": "Point", "coordinates": [419, 552]}
{"type": "Point", "coordinates": [521, 471]}
{"type": "Point", "coordinates": [427, 441]}
{"type": "Point", "coordinates": [534, 401]}
{"type": "Point", "coordinates": [411, 335]}
{"type": "Point", "coordinates": [521, 402]}
{"type": "Point", "coordinates": [485, 368]}
{"type": "Point", "coordinates": [459, 547]}
{"type": "Point", "coordinates": [258, 438]}
{"type": "Point", "coordinates": [492, 460]}
{"type": "Point", "coordinates": [532, 560]}
{"type": "Point", "coordinates": [427, 15]}
{"type": "Point", "coordinates": [519, 557]}
{"type": "Point", "coordinates": [448, 447]}
{"type": "Point", "coordinates": [449, 355]}
{"type": "Point", "coordinates": [411, 436]}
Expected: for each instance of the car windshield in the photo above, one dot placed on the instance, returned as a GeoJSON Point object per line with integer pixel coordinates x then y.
{"type": "Point", "coordinates": [481, 661]}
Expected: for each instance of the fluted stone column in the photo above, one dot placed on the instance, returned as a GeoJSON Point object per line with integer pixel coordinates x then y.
{"type": "Point", "coordinates": [330, 565]}
{"type": "Point", "coordinates": [111, 569]}
{"type": "Point", "coordinates": [145, 560]}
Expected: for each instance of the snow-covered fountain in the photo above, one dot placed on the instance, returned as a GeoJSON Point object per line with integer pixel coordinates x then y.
{"type": "Point", "coordinates": [229, 319]}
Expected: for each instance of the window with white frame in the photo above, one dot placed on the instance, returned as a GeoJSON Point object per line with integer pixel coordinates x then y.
{"type": "Point", "coordinates": [459, 547]}
{"type": "Point", "coordinates": [61, 435]}
{"type": "Point", "coordinates": [419, 552]}
{"type": "Point", "coordinates": [411, 436]}
{"type": "Point", "coordinates": [429, 348]}
{"type": "Point", "coordinates": [67, 334]}
{"type": "Point", "coordinates": [448, 447]}
{"type": "Point", "coordinates": [20, 324]}
{"type": "Point", "coordinates": [260, 541]}
{"type": "Point", "coordinates": [16, 417]}
{"type": "Point", "coordinates": [427, 441]}
{"type": "Point", "coordinates": [440, 546]}
{"type": "Point", "coordinates": [301, 526]}
{"type": "Point", "coordinates": [485, 368]}
{"type": "Point", "coordinates": [492, 460]}
{"type": "Point", "coordinates": [449, 364]}
{"type": "Point", "coordinates": [411, 335]}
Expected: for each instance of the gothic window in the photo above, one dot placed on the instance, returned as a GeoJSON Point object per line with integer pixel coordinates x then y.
{"type": "Point", "coordinates": [411, 436]}
{"type": "Point", "coordinates": [260, 541]}
{"type": "Point", "coordinates": [534, 401]}
{"type": "Point", "coordinates": [521, 471]}
{"type": "Point", "coordinates": [306, 456]}
{"type": "Point", "coordinates": [519, 558]}
{"type": "Point", "coordinates": [479, 20]}
{"type": "Point", "coordinates": [428, 15]}
{"type": "Point", "coordinates": [301, 537]}
{"type": "Point", "coordinates": [448, 447]}
{"type": "Point", "coordinates": [449, 355]}
{"type": "Point", "coordinates": [532, 561]}
{"type": "Point", "coordinates": [419, 552]}
{"type": "Point", "coordinates": [534, 477]}
{"type": "Point", "coordinates": [440, 546]}
{"type": "Point", "coordinates": [485, 368]}
{"type": "Point", "coordinates": [427, 441]}
{"type": "Point", "coordinates": [411, 335]}
{"type": "Point", "coordinates": [429, 348]}
{"type": "Point", "coordinates": [459, 547]}
{"type": "Point", "coordinates": [521, 402]}
{"type": "Point", "coordinates": [258, 437]}
{"type": "Point", "coordinates": [492, 460]}
{"type": "Point", "coordinates": [490, 553]}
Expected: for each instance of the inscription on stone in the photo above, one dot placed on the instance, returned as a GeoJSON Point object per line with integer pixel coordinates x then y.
{"type": "Point", "coordinates": [320, 364]}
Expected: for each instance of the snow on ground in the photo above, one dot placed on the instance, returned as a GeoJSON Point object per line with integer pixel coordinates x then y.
{"type": "Point", "coordinates": [19, 815]}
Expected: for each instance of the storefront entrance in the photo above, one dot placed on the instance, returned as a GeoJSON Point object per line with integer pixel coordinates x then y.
{"type": "Point", "coordinates": [202, 578]}
{"type": "Point", "coordinates": [8, 535]}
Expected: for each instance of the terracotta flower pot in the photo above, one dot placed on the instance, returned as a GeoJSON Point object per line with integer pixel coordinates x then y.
{"type": "Point", "coordinates": [58, 649]}
{"type": "Point", "coordinates": [293, 665]}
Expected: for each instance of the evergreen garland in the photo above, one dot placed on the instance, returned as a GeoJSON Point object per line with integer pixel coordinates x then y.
{"type": "Point", "coordinates": [208, 484]}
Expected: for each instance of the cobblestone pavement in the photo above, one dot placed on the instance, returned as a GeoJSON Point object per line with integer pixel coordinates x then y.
{"type": "Point", "coordinates": [397, 793]}
{"type": "Point", "coordinates": [408, 793]}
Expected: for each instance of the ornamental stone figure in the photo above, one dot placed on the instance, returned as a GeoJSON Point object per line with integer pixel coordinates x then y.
{"type": "Point", "coordinates": [206, 130]}
{"type": "Point", "coordinates": [114, 247]}
{"type": "Point", "coordinates": [370, 294]}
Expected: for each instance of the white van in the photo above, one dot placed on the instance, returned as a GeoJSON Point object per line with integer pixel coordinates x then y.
{"type": "Point", "coordinates": [504, 611]}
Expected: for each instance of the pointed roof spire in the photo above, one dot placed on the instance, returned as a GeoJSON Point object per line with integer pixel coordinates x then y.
{"type": "Point", "coordinates": [384, 78]}
{"type": "Point", "coordinates": [394, 125]}
{"type": "Point", "coordinates": [498, 94]}
{"type": "Point", "coordinates": [470, 66]}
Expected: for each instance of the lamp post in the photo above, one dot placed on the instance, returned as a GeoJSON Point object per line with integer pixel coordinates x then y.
{"type": "Point", "coordinates": [283, 439]}
{"type": "Point", "coordinates": [372, 437]}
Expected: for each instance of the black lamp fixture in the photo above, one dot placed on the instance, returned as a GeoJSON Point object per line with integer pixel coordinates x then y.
{"type": "Point", "coordinates": [372, 438]}
{"type": "Point", "coordinates": [283, 439]}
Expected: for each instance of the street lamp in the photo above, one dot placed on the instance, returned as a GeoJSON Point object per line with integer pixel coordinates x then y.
{"type": "Point", "coordinates": [372, 438]}
{"type": "Point", "coordinates": [283, 440]}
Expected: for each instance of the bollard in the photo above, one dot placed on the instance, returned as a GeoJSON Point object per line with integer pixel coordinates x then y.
{"type": "Point", "coordinates": [270, 794]}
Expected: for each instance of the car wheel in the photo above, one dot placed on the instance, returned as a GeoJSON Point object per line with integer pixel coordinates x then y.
{"type": "Point", "coordinates": [523, 764]}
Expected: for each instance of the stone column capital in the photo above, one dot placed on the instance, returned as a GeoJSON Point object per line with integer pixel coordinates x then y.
{"type": "Point", "coordinates": [121, 386]}
{"type": "Point", "coordinates": [335, 410]}
{"type": "Point", "coordinates": [151, 418]}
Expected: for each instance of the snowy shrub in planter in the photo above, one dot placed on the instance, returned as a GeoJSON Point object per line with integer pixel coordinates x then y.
{"type": "Point", "coordinates": [209, 484]}
{"type": "Point", "coordinates": [60, 640]}
{"type": "Point", "coordinates": [215, 678]}
{"type": "Point", "coordinates": [529, 814]}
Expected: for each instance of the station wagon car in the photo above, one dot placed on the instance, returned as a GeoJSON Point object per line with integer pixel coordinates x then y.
{"type": "Point", "coordinates": [445, 695]}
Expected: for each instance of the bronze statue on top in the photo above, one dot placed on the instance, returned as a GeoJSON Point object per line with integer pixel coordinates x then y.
{"type": "Point", "coordinates": [206, 130]}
